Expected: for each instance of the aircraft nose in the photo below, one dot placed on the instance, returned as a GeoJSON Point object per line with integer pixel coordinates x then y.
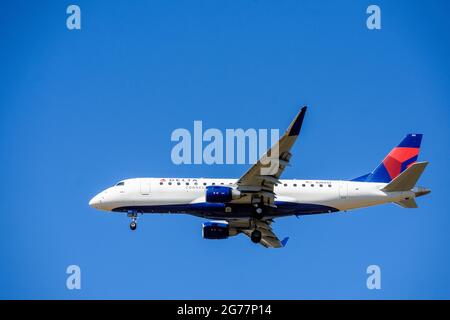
{"type": "Point", "coordinates": [95, 201]}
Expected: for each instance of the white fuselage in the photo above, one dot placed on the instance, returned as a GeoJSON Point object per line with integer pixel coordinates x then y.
{"type": "Point", "coordinates": [293, 197]}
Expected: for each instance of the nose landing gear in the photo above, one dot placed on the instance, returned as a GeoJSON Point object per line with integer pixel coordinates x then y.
{"type": "Point", "coordinates": [133, 223]}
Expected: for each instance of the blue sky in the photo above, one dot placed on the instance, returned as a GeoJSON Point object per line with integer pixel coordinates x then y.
{"type": "Point", "coordinates": [81, 110]}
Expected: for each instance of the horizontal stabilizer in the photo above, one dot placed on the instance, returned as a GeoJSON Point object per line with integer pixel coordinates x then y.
{"type": "Point", "coordinates": [407, 179]}
{"type": "Point", "coordinates": [410, 203]}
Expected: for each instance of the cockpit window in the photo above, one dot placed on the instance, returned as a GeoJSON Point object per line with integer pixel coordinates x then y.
{"type": "Point", "coordinates": [121, 183]}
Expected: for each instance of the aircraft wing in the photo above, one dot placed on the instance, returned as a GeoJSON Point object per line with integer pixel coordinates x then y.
{"type": "Point", "coordinates": [269, 239]}
{"type": "Point", "coordinates": [247, 226]}
{"type": "Point", "coordinates": [257, 184]}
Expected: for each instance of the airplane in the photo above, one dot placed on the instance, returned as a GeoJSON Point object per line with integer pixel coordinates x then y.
{"type": "Point", "coordinates": [250, 204]}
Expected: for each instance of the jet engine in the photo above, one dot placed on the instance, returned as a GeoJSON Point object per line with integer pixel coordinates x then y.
{"type": "Point", "coordinates": [221, 194]}
{"type": "Point", "coordinates": [217, 230]}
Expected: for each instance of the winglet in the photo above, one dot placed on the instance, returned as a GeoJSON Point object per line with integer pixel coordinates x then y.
{"type": "Point", "coordinates": [284, 241]}
{"type": "Point", "coordinates": [296, 125]}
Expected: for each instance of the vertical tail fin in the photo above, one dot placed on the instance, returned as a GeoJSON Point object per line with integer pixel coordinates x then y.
{"type": "Point", "coordinates": [397, 161]}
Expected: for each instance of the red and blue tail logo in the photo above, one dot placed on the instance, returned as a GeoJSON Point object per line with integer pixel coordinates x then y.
{"type": "Point", "coordinates": [397, 161]}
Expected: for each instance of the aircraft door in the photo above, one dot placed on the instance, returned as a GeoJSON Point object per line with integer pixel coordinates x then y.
{"type": "Point", "coordinates": [145, 187]}
{"type": "Point", "coordinates": [343, 190]}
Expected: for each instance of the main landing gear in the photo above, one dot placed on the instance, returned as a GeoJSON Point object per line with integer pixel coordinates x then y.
{"type": "Point", "coordinates": [256, 236]}
{"type": "Point", "coordinates": [258, 212]}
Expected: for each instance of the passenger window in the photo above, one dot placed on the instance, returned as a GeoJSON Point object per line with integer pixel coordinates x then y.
{"type": "Point", "coordinates": [285, 184]}
{"type": "Point", "coordinates": [170, 183]}
{"type": "Point", "coordinates": [321, 185]}
{"type": "Point", "coordinates": [204, 183]}
{"type": "Point", "coordinates": [187, 183]}
{"type": "Point", "coordinates": [161, 183]}
{"type": "Point", "coordinates": [303, 185]}
{"type": "Point", "coordinates": [178, 183]}
{"type": "Point", "coordinates": [329, 186]}
{"type": "Point", "coordinates": [312, 185]}
{"type": "Point", "coordinates": [295, 184]}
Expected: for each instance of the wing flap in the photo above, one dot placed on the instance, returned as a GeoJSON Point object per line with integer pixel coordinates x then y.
{"type": "Point", "coordinates": [269, 238]}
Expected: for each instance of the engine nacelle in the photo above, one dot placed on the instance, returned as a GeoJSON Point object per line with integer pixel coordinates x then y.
{"type": "Point", "coordinates": [221, 194]}
{"type": "Point", "coordinates": [216, 230]}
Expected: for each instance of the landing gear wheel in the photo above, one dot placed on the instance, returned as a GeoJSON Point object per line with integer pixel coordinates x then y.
{"type": "Point", "coordinates": [256, 236]}
{"type": "Point", "coordinates": [134, 216]}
